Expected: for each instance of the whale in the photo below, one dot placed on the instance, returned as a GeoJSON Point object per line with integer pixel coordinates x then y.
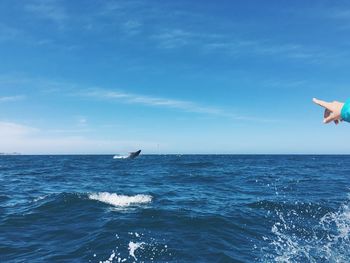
{"type": "Point", "coordinates": [131, 155]}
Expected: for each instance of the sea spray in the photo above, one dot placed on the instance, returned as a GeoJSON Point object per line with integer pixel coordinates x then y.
{"type": "Point", "coordinates": [328, 240]}
{"type": "Point", "coordinates": [133, 246]}
{"type": "Point", "coordinates": [136, 246]}
{"type": "Point", "coordinates": [121, 200]}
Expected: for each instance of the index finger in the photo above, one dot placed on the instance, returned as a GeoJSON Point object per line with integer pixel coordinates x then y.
{"type": "Point", "coordinates": [322, 103]}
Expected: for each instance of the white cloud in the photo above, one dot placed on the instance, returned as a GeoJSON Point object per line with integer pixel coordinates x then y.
{"type": "Point", "coordinates": [13, 130]}
{"type": "Point", "coordinates": [183, 105]}
{"type": "Point", "coordinates": [132, 27]}
{"type": "Point", "coordinates": [49, 9]}
{"type": "Point", "coordinates": [174, 38]}
{"type": "Point", "coordinates": [69, 131]}
{"type": "Point", "coordinates": [16, 137]}
{"type": "Point", "coordinates": [11, 98]}
{"type": "Point", "coordinates": [82, 120]}
{"type": "Point", "coordinates": [226, 44]}
{"type": "Point", "coordinates": [152, 101]}
{"type": "Point", "coordinates": [72, 89]}
{"type": "Point", "coordinates": [130, 18]}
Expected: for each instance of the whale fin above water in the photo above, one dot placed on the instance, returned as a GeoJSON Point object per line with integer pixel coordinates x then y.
{"type": "Point", "coordinates": [133, 155]}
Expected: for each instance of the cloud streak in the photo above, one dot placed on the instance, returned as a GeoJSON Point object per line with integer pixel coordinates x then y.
{"type": "Point", "coordinates": [47, 87]}
{"type": "Point", "coordinates": [49, 9]}
{"type": "Point", "coordinates": [151, 101]}
{"type": "Point", "coordinates": [11, 129]}
{"type": "Point", "coordinates": [136, 18]}
{"type": "Point", "coordinates": [15, 137]}
{"type": "Point", "coordinates": [11, 98]}
{"type": "Point", "coordinates": [228, 45]}
{"type": "Point", "coordinates": [75, 90]}
{"type": "Point", "coordinates": [182, 105]}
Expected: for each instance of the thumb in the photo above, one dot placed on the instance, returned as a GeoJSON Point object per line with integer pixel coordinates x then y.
{"type": "Point", "coordinates": [330, 118]}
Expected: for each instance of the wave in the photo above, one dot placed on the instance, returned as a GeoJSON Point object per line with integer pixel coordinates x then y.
{"type": "Point", "coordinates": [197, 164]}
{"type": "Point", "coordinates": [305, 208]}
{"type": "Point", "coordinates": [64, 200]}
{"type": "Point", "coordinates": [40, 198]}
{"type": "Point", "coordinates": [120, 200]}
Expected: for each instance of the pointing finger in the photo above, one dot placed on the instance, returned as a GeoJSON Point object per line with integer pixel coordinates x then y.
{"type": "Point", "coordinates": [322, 103]}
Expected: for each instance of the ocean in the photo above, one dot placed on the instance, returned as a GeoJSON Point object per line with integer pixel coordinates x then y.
{"type": "Point", "coordinates": [175, 208]}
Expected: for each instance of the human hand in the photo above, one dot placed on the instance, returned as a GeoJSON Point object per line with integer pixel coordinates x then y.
{"type": "Point", "coordinates": [332, 110]}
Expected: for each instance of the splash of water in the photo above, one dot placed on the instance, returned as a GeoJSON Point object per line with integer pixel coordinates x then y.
{"type": "Point", "coordinates": [120, 156]}
{"type": "Point", "coordinates": [133, 247]}
{"type": "Point", "coordinates": [121, 200]}
{"type": "Point", "coordinates": [128, 249]}
{"type": "Point", "coordinates": [328, 240]}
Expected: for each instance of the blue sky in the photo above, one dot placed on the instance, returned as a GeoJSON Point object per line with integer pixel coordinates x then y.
{"type": "Point", "coordinates": [172, 76]}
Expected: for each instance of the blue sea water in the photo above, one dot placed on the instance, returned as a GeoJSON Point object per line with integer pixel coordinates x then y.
{"type": "Point", "coordinates": [175, 208]}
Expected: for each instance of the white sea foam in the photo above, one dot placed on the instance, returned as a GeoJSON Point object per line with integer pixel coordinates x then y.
{"type": "Point", "coordinates": [40, 198]}
{"type": "Point", "coordinates": [133, 246]}
{"type": "Point", "coordinates": [120, 156]}
{"type": "Point", "coordinates": [111, 257]}
{"type": "Point", "coordinates": [121, 200]}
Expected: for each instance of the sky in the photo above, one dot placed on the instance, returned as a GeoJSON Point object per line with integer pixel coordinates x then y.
{"type": "Point", "coordinates": [187, 76]}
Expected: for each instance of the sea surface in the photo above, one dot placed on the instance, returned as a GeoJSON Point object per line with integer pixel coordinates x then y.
{"type": "Point", "coordinates": [175, 208]}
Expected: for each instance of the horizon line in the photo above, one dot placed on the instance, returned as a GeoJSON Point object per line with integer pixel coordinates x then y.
{"type": "Point", "coordinates": [105, 154]}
